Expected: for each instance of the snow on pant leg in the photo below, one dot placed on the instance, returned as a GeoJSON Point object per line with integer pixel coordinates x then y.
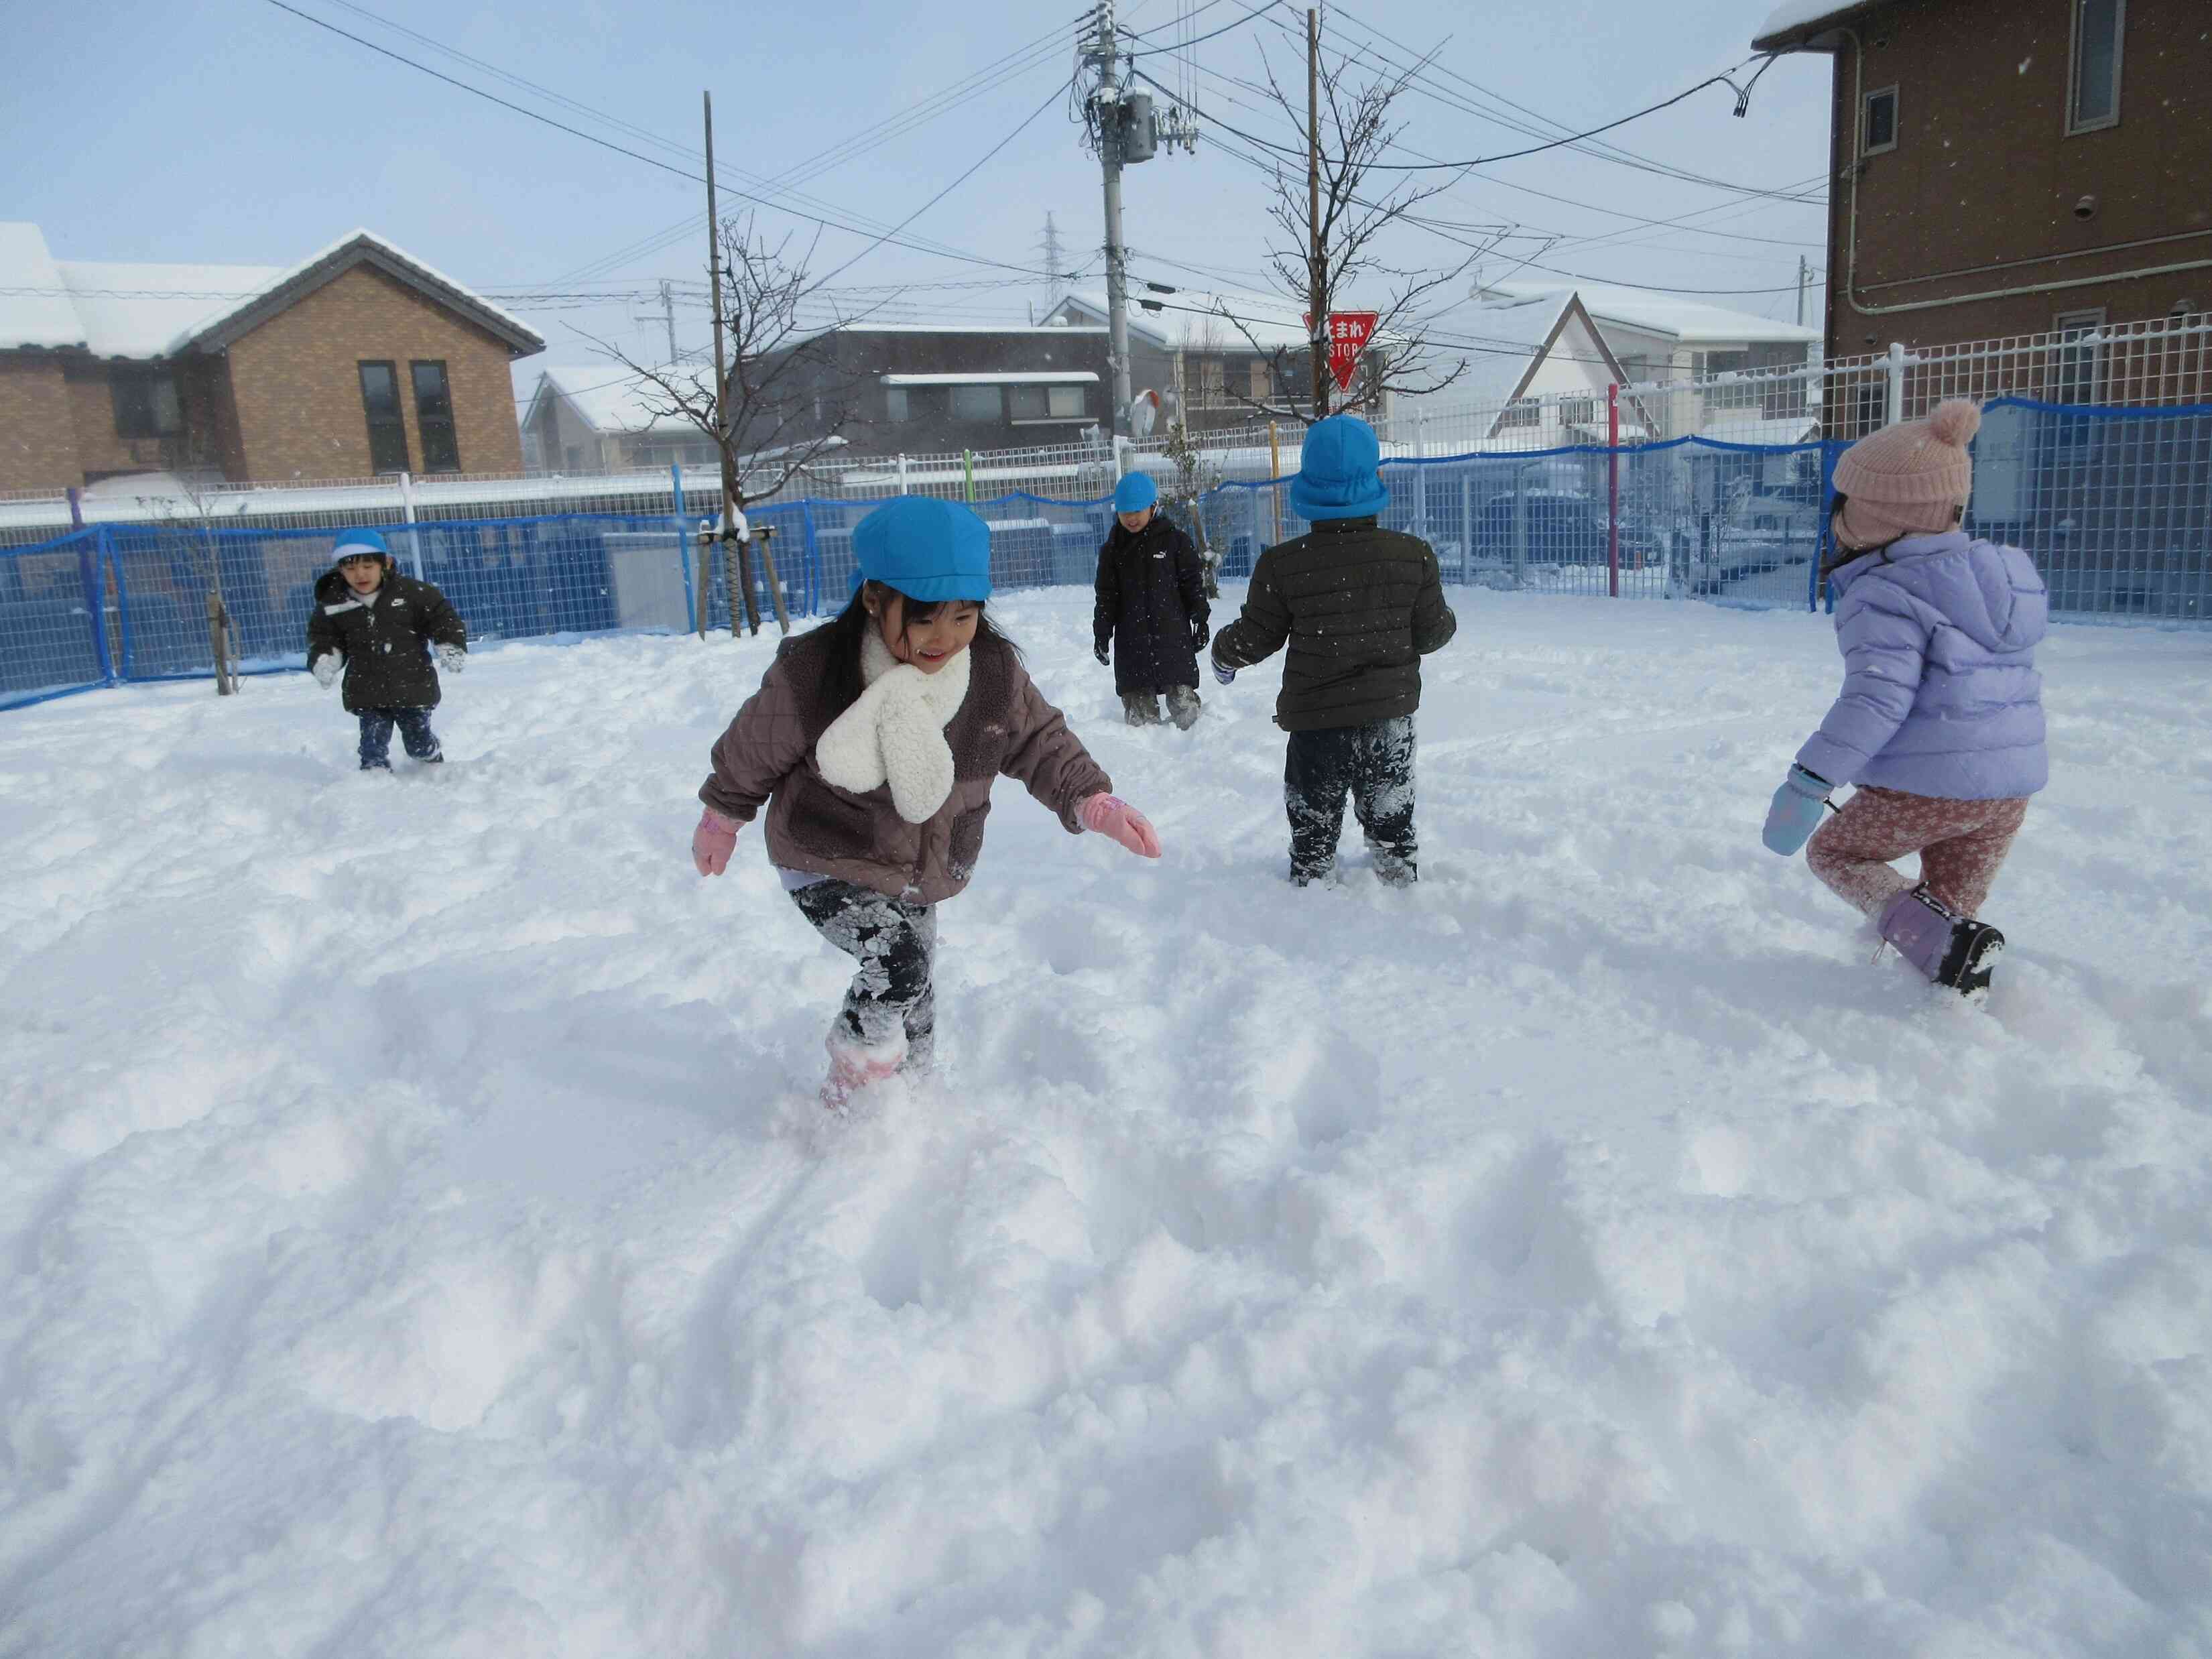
{"type": "Point", "coordinates": [921, 1017]}
{"type": "Point", "coordinates": [375, 738]}
{"type": "Point", "coordinates": [1182, 706]}
{"type": "Point", "coordinates": [415, 733]}
{"type": "Point", "coordinates": [894, 942]}
{"type": "Point", "coordinates": [1853, 850]}
{"type": "Point", "coordinates": [1382, 793]}
{"type": "Point", "coordinates": [1141, 707]}
{"type": "Point", "coordinates": [1958, 869]}
{"type": "Point", "coordinates": [1317, 772]}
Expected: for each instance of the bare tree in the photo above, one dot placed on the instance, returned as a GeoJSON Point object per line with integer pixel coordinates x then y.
{"type": "Point", "coordinates": [194, 508]}
{"type": "Point", "coordinates": [1335, 232]}
{"type": "Point", "coordinates": [1193, 478]}
{"type": "Point", "coordinates": [789, 396]}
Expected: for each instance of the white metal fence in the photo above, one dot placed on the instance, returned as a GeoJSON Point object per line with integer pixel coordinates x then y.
{"type": "Point", "coordinates": [2095, 454]}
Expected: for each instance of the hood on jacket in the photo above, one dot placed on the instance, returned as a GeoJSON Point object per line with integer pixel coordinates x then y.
{"type": "Point", "coordinates": [1991, 595]}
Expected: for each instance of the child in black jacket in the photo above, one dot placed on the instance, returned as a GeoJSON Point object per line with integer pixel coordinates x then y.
{"type": "Point", "coordinates": [1150, 609]}
{"type": "Point", "coordinates": [380, 628]}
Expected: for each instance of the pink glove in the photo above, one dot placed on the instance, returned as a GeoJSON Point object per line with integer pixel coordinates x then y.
{"type": "Point", "coordinates": [1109, 815]}
{"type": "Point", "coordinates": [713, 843]}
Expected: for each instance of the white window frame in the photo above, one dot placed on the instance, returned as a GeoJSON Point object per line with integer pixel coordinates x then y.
{"type": "Point", "coordinates": [2088, 367]}
{"type": "Point", "coordinates": [2073, 122]}
{"type": "Point", "coordinates": [1866, 125]}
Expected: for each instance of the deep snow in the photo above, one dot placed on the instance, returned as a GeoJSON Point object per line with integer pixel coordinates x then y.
{"type": "Point", "coordinates": [421, 1241]}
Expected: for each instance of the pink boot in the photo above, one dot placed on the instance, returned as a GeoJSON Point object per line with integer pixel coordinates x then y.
{"type": "Point", "coordinates": [855, 1066]}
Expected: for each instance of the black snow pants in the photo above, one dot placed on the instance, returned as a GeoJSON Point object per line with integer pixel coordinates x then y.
{"type": "Point", "coordinates": [1374, 763]}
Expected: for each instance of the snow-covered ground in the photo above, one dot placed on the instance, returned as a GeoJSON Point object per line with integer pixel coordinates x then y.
{"type": "Point", "coordinates": [420, 1241]}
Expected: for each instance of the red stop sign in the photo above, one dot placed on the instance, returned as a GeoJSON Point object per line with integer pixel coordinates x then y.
{"type": "Point", "coordinates": [1348, 334]}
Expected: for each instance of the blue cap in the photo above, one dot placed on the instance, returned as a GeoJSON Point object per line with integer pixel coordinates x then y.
{"type": "Point", "coordinates": [352, 543]}
{"type": "Point", "coordinates": [1339, 471]}
{"type": "Point", "coordinates": [1135, 492]}
{"type": "Point", "coordinates": [928, 550]}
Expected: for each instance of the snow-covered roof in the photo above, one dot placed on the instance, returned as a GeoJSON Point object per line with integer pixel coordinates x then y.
{"type": "Point", "coordinates": [150, 311]}
{"type": "Point", "coordinates": [35, 311]}
{"type": "Point", "coordinates": [1688, 321]}
{"type": "Point", "coordinates": [608, 398]}
{"type": "Point", "coordinates": [999, 377]}
{"type": "Point", "coordinates": [1187, 320]}
{"type": "Point", "coordinates": [139, 311]}
{"type": "Point", "coordinates": [1793, 21]}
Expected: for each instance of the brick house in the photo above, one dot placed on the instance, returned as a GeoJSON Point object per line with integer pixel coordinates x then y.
{"type": "Point", "coordinates": [360, 360]}
{"type": "Point", "coordinates": [2009, 167]}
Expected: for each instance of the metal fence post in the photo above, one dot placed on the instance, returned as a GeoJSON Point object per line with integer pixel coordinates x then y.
{"type": "Point", "coordinates": [1420, 473]}
{"type": "Point", "coordinates": [407, 507]}
{"type": "Point", "coordinates": [1894, 371]}
{"type": "Point", "coordinates": [1612, 492]}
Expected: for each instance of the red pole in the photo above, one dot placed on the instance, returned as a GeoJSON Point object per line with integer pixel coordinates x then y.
{"type": "Point", "coordinates": [1612, 491]}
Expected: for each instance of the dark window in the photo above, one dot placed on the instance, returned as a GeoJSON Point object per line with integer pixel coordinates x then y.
{"type": "Point", "coordinates": [977, 403]}
{"type": "Point", "coordinates": [1878, 124]}
{"type": "Point", "coordinates": [1522, 411]}
{"type": "Point", "coordinates": [433, 418]}
{"type": "Point", "coordinates": [1065, 403]}
{"type": "Point", "coordinates": [1026, 402]}
{"type": "Point", "coordinates": [1045, 403]}
{"type": "Point", "coordinates": [145, 405]}
{"type": "Point", "coordinates": [2095, 100]}
{"type": "Point", "coordinates": [895, 404]}
{"type": "Point", "coordinates": [1742, 394]}
{"type": "Point", "coordinates": [388, 434]}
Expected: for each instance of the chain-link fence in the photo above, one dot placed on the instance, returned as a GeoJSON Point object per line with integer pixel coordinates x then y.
{"type": "Point", "coordinates": [1712, 490]}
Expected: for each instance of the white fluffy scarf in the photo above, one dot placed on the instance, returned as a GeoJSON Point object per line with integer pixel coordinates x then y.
{"type": "Point", "coordinates": [894, 733]}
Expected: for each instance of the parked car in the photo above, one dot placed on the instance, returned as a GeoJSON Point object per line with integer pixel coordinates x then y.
{"type": "Point", "coordinates": [1561, 527]}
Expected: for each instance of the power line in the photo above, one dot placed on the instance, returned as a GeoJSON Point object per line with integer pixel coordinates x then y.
{"type": "Point", "coordinates": [1418, 71]}
{"type": "Point", "coordinates": [1185, 45]}
{"type": "Point", "coordinates": [605, 144]}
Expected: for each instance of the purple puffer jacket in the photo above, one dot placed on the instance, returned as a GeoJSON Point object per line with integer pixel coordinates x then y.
{"type": "Point", "coordinates": [1940, 696]}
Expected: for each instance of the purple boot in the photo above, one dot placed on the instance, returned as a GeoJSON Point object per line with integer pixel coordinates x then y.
{"type": "Point", "coordinates": [1950, 949]}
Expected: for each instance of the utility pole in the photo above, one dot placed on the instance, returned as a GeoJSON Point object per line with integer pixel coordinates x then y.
{"type": "Point", "coordinates": [1803, 267]}
{"type": "Point", "coordinates": [724, 440]}
{"type": "Point", "coordinates": [1316, 269]}
{"type": "Point", "coordinates": [1107, 101]}
{"type": "Point", "coordinates": [1122, 124]}
{"type": "Point", "coordinates": [668, 310]}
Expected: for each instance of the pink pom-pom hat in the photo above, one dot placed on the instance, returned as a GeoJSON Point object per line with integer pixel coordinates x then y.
{"type": "Point", "coordinates": [1910, 479]}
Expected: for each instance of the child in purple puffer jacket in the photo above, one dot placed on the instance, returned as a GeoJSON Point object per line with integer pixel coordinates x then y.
{"type": "Point", "coordinates": [1940, 721]}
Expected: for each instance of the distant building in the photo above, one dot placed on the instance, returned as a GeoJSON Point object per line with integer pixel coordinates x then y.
{"type": "Point", "coordinates": [359, 359]}
{"type": "Point", "coordinates": [2010, 167]}
{"type": "Point", "coordinates": [1223, 359]}
{"type": "Point", "coordinates": [601, 417]}
{"type": "Point", "coordinates": [1656, 337]}
{"type": "Point", "coordinates": [926, 388]}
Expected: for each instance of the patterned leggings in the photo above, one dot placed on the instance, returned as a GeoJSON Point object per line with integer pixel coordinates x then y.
{"type": "Point", "coordinates": [894, 942]}
{"type": "Point", "coordinates": [1961, 843]}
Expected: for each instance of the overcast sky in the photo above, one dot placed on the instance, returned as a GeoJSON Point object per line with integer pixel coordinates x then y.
{"type": "Point", "coordinates": [234, 130]}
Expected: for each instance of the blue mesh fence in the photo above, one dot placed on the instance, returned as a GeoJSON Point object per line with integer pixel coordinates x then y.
{"type": "Point", "coordinates": [2116, 505]}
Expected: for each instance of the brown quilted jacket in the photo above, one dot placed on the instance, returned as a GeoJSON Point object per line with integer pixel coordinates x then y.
{"type": "Point", "coordinates": [1004, 724]}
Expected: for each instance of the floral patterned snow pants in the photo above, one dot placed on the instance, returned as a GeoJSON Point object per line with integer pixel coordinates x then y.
{"type": "Point", "coordinates": [1960, 843]}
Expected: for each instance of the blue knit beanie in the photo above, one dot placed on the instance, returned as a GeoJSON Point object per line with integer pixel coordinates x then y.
{"type": "Point", "coordinates": [928, 550]}
{"type": "Point", "coordinates": [1339, 471]}
{"type": "Point", "coordinates": [352, 544]}
{"type": "Point", "coordinates": [1135, 492]}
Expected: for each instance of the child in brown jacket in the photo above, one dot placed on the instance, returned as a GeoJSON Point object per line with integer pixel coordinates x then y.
{"type": "Point", "coordinates": [873, 741]}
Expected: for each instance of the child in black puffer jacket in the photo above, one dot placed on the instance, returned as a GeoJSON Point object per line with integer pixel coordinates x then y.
{"type": "Point", "coordinates": [380, 628]}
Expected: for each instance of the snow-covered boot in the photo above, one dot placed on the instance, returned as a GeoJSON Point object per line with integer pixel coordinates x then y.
{"type": "Point", "coordinates": [1951, 950]}
{"type": "Point", "coordinates": [855, 1066]}
{"type": "Point", "coordinates": [1182, 706]}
